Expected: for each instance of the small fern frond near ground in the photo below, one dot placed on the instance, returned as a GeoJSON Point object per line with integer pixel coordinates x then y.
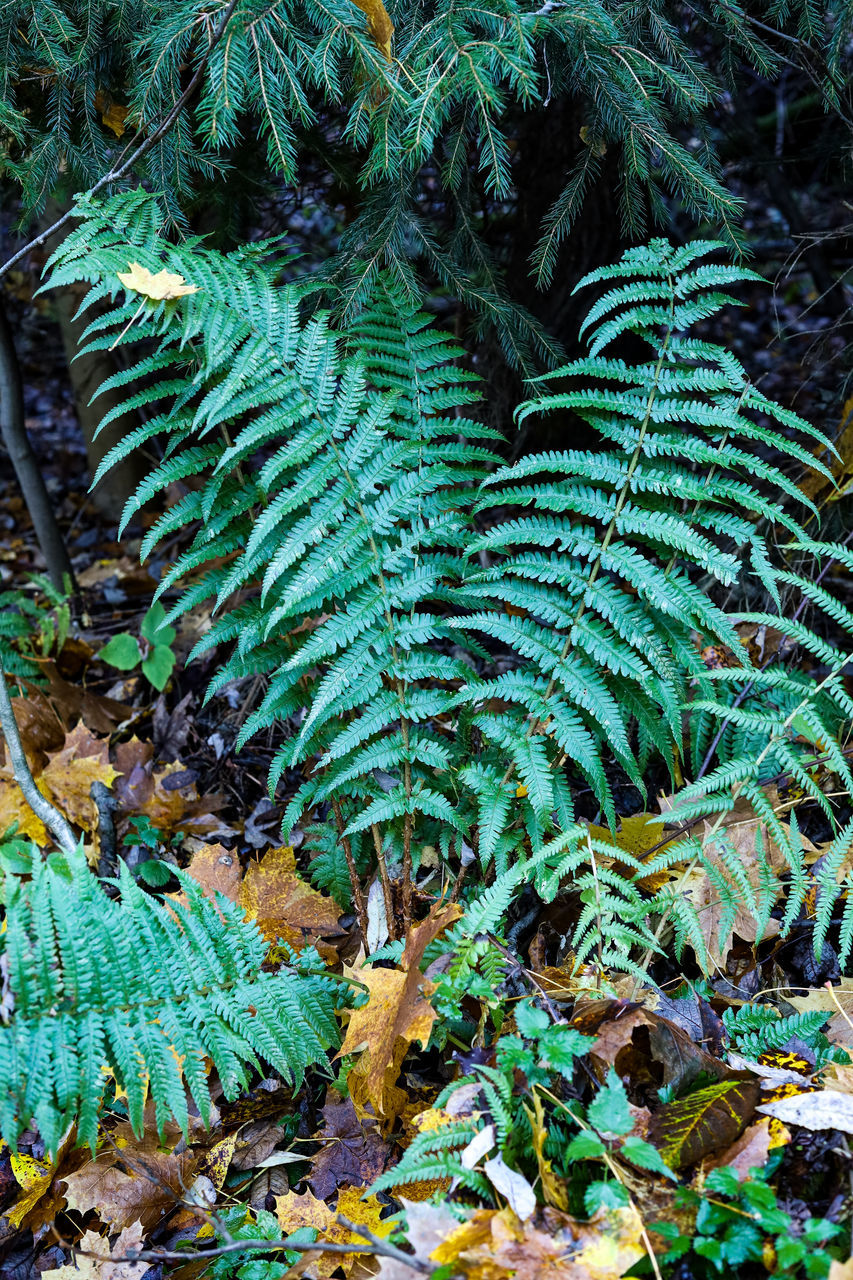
{"type": "Point", "coordinates": [141, 994]}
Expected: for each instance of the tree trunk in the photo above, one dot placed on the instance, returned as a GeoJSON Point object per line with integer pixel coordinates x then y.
{"type": "Point", "coordinates": [87, 372]}
{"type": "Point", "coordinates": [25, 463]}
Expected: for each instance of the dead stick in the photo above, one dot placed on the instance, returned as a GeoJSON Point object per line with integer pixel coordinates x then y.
{"type": "Point", "coordinates": [386, 882]}
{"type": "Point", "coordinates": [55, 821]}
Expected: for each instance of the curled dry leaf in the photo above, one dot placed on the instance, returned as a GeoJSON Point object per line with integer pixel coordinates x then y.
{"type": "Point", "coordinates": [397, 1015]}
{"type": "Point", "coordinates": [125, 1186]}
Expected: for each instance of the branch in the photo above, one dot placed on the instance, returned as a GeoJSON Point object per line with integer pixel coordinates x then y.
{"type": "Point", "coordinates": [124, 166]}
{"type": "Point", "coordinates": [55, 821]}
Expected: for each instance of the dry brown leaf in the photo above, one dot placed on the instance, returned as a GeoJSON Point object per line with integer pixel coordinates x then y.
{"type": "Point", "coordinates": [553, 1189]}
{"type": "Point", "coordinates": [146, 1188]}
{"type": "Point", "coordinates": [427, 1226]}
{"type": "Point", "coordinates": [379, 24]}
{"type": "Point", "coordinates": [750, 1151]}
{"type": "Point", "coordinates": [353, 1152]}
{"type": "Point", "coordinates": [95, 1259]}
{"type": "Point", "coordinates": [217, 870]}
{"type": "Point", "coordinates": [170, 807]}
{"type": "Point", "coordinates": [294, 1211]}
{"type": "Point", "coordinates": [283, 905]}
{"type": "Point", "coordinates": [397, 1014]}
{"type": "Point", "coordinates": [159, 286]}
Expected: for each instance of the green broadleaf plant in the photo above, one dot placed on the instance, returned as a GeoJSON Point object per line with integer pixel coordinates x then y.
{"type": "Point", "coordinates": [156, 657]}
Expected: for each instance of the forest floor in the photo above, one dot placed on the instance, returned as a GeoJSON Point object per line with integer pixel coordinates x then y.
{"type": "Point", "coordinates": [183, 795]}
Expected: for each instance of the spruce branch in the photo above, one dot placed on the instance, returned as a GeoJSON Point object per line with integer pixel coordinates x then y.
{"type": "Point", "coordinates": [136, 151]}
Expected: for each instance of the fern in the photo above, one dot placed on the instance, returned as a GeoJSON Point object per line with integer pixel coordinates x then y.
{"type": "Point", "coordinates": [143, 992]}
{"type": "Point", "coordinates": [755, 1029]}
{"type": "Point", "coordinates": [441, 634]}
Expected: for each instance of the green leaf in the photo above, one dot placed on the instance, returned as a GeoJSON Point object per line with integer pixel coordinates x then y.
{"type": "Point", "coordinates": [645, 1156]}
{"type": "Point", "coordinates": [585, 1146]}
{"type": "Point", "coordinates": [604, 1195]}
{"type": "Point", "coordinates": [609, 1112]}
{"type": "Point", "coordinates": [531, 1022]}
{"type": "Point", "coordinates": [121, 651]}
{"type": "Point", "coordinates": [157, 667]}
{"type": "Point", "coordinates": [154, 627]}
{"type": "Point", "coordinates": [155, 872]}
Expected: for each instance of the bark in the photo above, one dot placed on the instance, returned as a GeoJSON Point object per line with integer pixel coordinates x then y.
{"type": "Point", "coordinates": [87, 372]}
{"type": "Point", "coordinates": [27, 469]}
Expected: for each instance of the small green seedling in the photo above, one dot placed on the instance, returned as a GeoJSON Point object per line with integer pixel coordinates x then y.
{"type": "Point", "coordinates": [153, 651]}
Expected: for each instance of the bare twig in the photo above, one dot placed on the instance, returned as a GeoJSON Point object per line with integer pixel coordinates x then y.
{"type": "Point", "coordinates": [124, 166]}
{"type": "Point", "coordinates": [55, 821]}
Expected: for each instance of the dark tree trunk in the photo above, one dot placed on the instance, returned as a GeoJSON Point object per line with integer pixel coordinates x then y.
{"type": "Point", "coordinates": [27, 469]}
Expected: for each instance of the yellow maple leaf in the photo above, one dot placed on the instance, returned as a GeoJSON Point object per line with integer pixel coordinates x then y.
{"type": "Point", "coordinates": [162, 286]}
{"type": "Point", "coordinates": [294, 1211]}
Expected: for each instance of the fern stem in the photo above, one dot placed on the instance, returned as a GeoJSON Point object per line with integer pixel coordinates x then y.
{"type": "Point", "coordinates": [355, 882]}
{"type": "Point", "coordinates": [55, 821]}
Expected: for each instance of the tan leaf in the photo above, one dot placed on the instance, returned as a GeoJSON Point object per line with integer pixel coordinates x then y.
{"type": "Point", "coordinates": [553, 1190]}
{"type": "Point", "coordinates": [68, 776]}
{"type": "Point", "coordinates": [164, 285]}
{"type": "Point", "coordinates": [96, 1260]}
{"type": "Point", "coordinates": [821, 1109]}
{"type": "Point", "coordinates": [294, 1211]}
{"type": "Point", "coordinates": [152, 1185]}
{"type": "Point", "coordinates": [841, 1270]}
{"type": "Point", "coordinates": [217, 870]}
{"type": "Point", "coordinates": [750, 1151]}
{"type": "Point", "coordinates": [283, 905]}
{"type": "Point", "coordinates": [397, 1014]}
{"type": "Point", "coordinates": [495, 1245]}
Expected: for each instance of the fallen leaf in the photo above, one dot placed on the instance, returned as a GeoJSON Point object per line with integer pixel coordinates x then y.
{"type": "Point", "coordinates": [749, 1151]}
{"type": "Point", "coordinates": [95, 1259]}
{"type": "Point", "coordinates": [68, 776]}
{"type": "Point", "coordinates": [427, 1226]}
{"type": "Point", "coordinates": [553, 1190]}
{"type": "Point", "coordinates": [159, 286]}
{"type": "Point", "coordinates": [512, 1185]}
{"type": "Point", "coordinates": [170, 808]}
{"type": "Point", "coordinates": [152, 1185]}
{"type": "Point", "coordinates": [352, 1153]}
{"type": "Point", "coordinates": [841, 1270]}
{"type": "Point", "coordinates": [283, 905]}
{"type": "Point", "coordinates": [397, 1015]}
{"type": "Point", "coordinates": [217, 870]}
{"type": "Point", "coordinates": [294, 1212]}
{"type": "Point", "coordinates": [379, 25]}
{"type": "Point", "coordinates": [495, 1245]}
{"type": "Point", "coordinates": [707, 1121]}
{"type": "Point", "coordinates": [41, 1184]}
{"type": "Point", "coordinates": [820, 1109]}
